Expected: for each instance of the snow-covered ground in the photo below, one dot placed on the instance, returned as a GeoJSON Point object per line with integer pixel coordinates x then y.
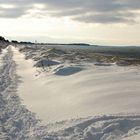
{"type": "Point", "coordinates": [98, 101]}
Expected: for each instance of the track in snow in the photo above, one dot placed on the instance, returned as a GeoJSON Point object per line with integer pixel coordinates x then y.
{"type": "Point", "coordinates": [16, 121]}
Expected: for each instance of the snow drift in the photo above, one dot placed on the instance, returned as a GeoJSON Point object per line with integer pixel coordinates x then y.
{"type": "Point", "coordinates": [96, 91]}
{"type": "Point", "coordinates": [46, 63]}
{"type": "Point", "coordinates": [68, 71]}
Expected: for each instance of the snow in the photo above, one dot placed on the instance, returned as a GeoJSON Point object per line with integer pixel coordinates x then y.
{"type": "Point", "coordinates": [102, 64]}
{"type": "Point", "coordinates": [134, 137]}
{"type": "Point", "coordinates": [15, 119]}
{"type": "Point", "coordinates": [45, 62]}
{"type": "Point", "coordinates": [68, 71]}
{"type": "Point", "coordinates": [70, 92]}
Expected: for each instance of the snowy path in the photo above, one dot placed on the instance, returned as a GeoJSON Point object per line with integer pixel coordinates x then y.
{"type": "Point", "coordinates": [18, 123]}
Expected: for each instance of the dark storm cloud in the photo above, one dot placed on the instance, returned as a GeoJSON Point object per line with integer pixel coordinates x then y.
{"type": "Point", "coordinates": [90, 11]}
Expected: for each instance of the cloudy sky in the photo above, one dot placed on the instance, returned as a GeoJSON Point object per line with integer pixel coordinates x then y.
{"type": "Point", "coordinates": [109, 22]}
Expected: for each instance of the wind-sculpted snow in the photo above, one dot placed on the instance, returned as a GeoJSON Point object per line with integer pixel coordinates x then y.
{"type": "Point", "coordinates": [46, 63]}
{"type": "Point", "coordinates": [18, 123]}
{"type": "Point", "coordinates": [68, 71]}
{"type": "Point", "coordinates": [103, 128]}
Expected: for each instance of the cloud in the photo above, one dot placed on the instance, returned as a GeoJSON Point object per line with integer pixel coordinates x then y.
{"type": "Point", "coordinates": [108, 18]}
{"type": "Point", "coordinates": [89, 11]}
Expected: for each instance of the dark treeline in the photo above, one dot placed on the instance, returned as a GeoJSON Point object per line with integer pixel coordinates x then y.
{"type": "Point", "coordinates": [3, 42]}
{"type": "Point", "coordinates": [2, 39]}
